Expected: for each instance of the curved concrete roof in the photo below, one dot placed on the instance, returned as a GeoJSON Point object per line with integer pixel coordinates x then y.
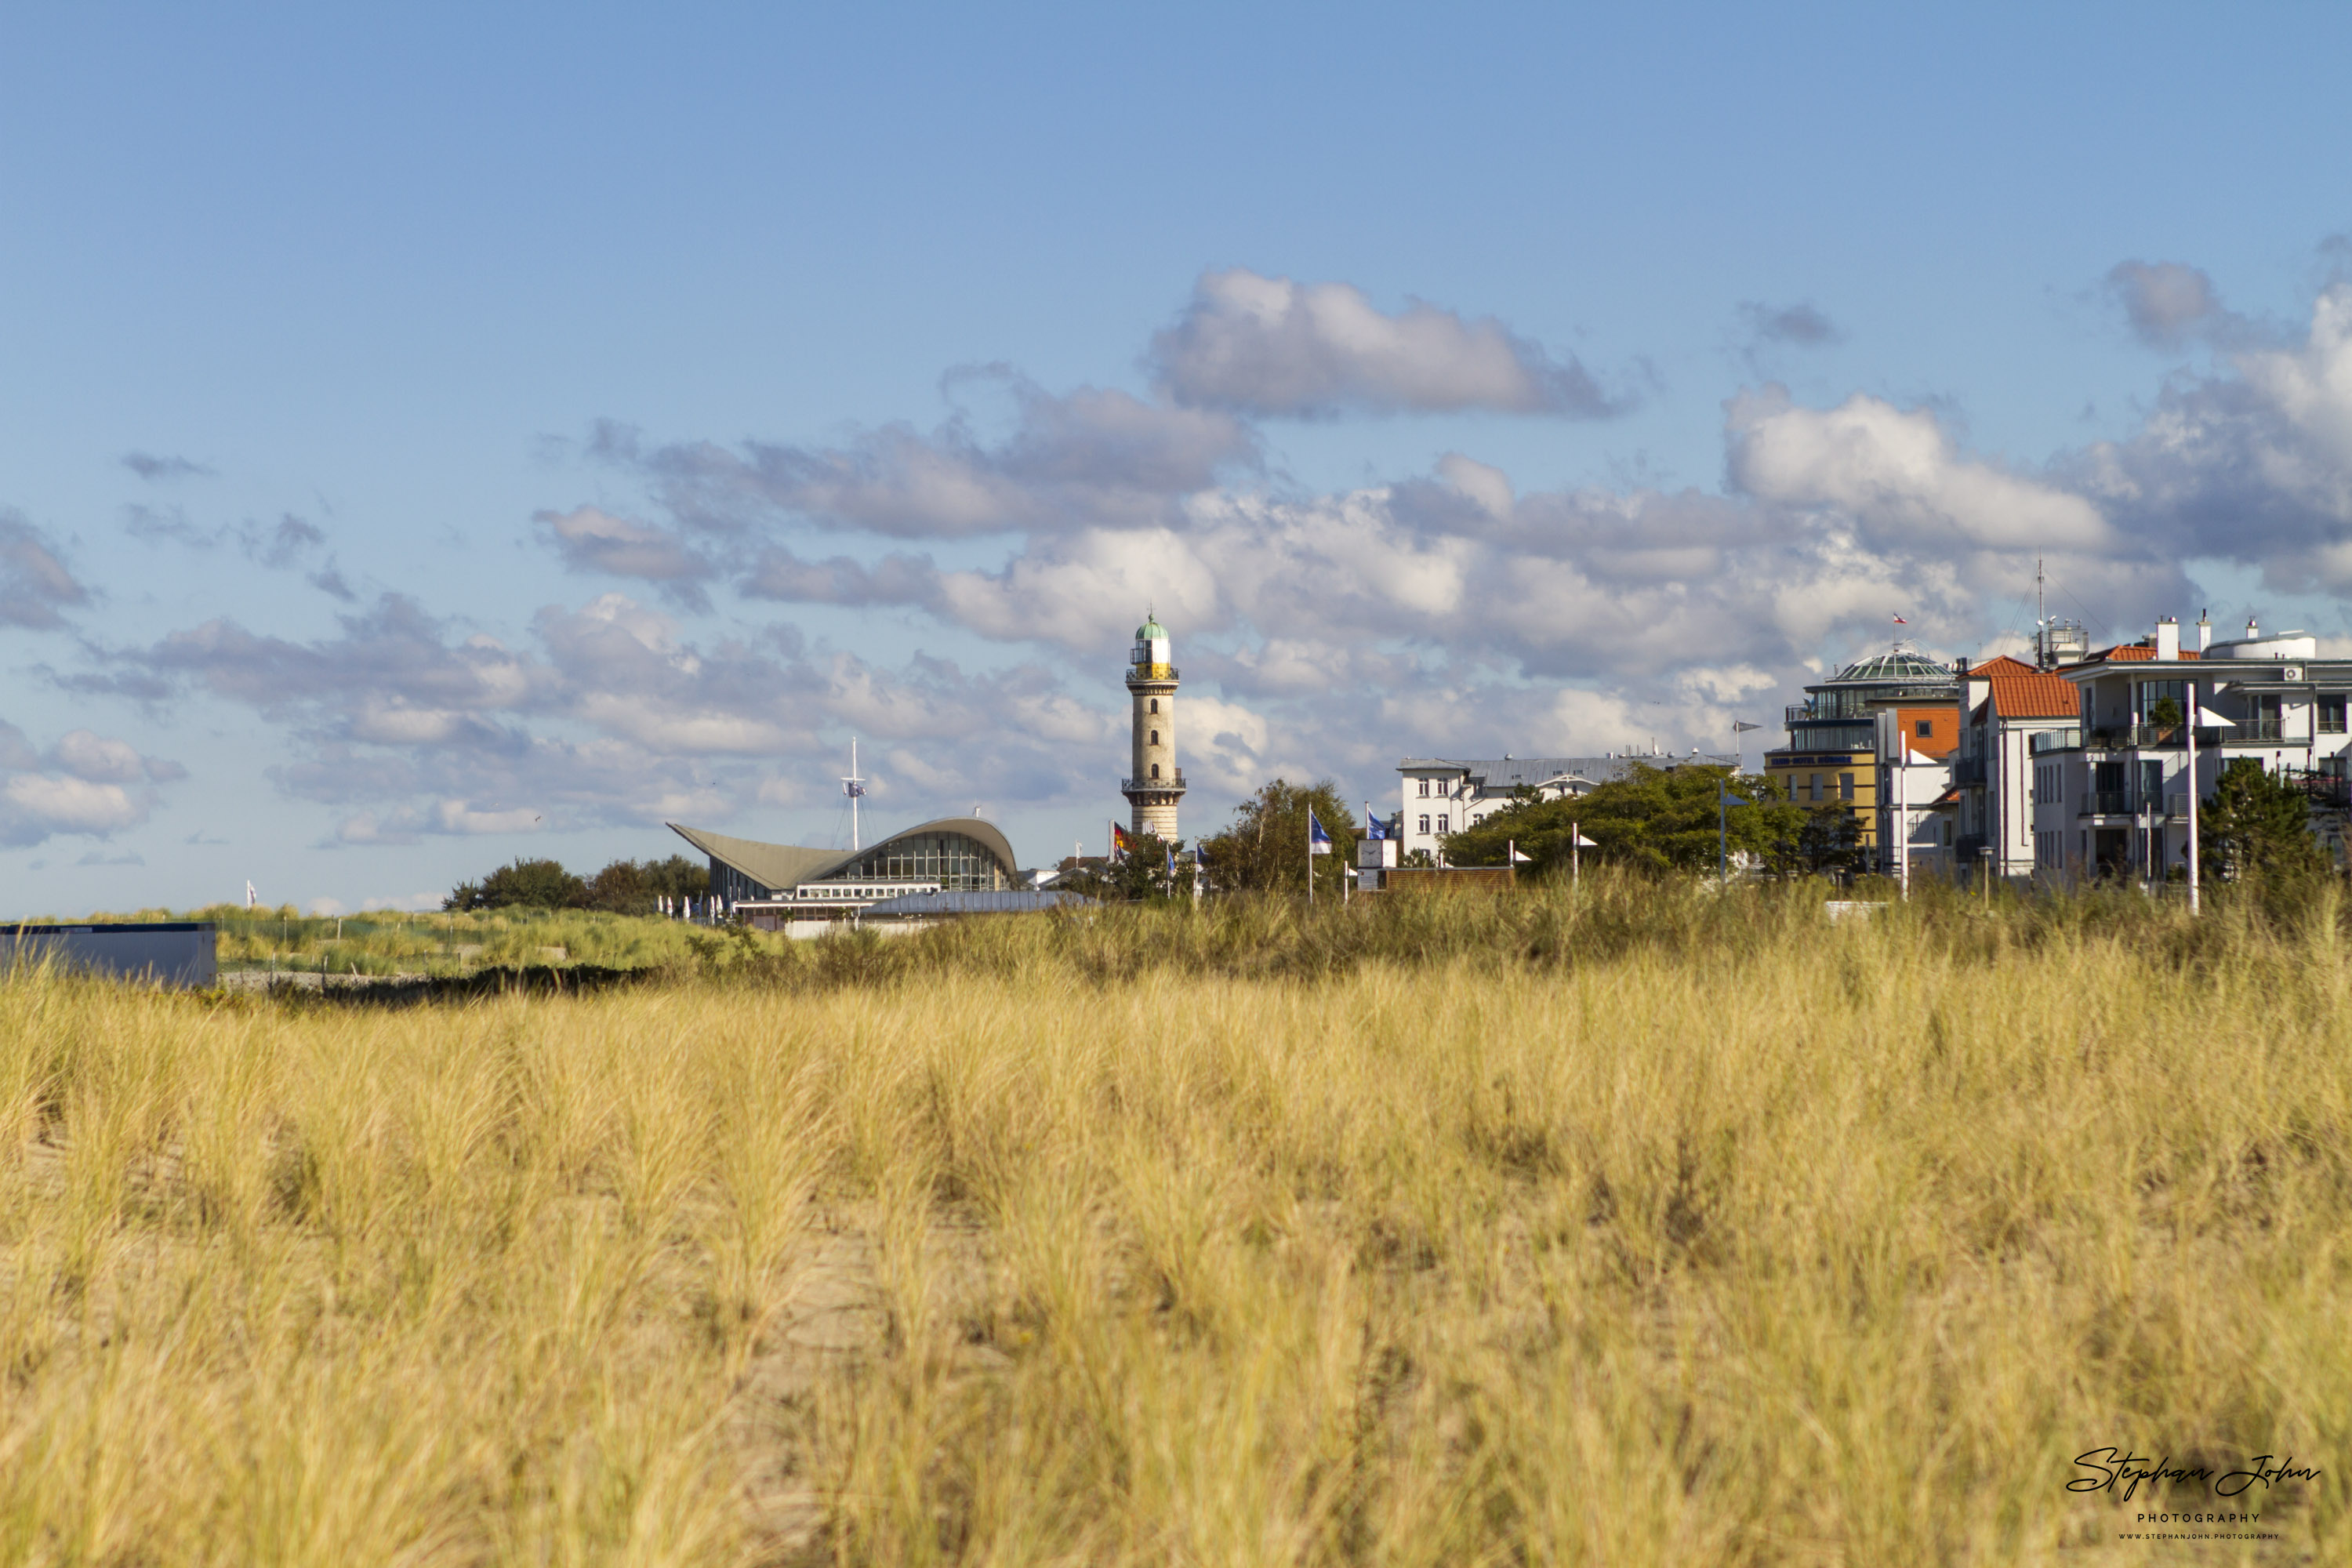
{"type": "Point", "coordinates": [790, 865]}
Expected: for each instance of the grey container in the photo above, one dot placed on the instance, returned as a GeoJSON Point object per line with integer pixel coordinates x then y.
{"type": "Point", "coordinates": [158, 952]}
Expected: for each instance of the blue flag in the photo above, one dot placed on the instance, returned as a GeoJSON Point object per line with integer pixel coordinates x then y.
{"type": "Point", "coordinates": [1318, 842]}
{"type": "Point", "coordinates": [1375, 826]}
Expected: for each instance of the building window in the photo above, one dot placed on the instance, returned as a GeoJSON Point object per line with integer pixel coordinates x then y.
{"type": "Point", "coordinates": [1814, 783]}
{"type": "Point", "coordinates": [1845, 786]}
{"type": "Point", "coordinates": [1927, 728]}
{"type": "Point", "coordinates": [1425, 820]}
{"type": "Point", "coordinates": [1440, 825]}
{"type": "Point", "coordinates": [1425, 791]}
{"type": "Point", "coordinates": [2331, 715]}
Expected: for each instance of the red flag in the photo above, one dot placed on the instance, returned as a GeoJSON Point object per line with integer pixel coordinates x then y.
{"type": "Point", "coordinates": [1901, 622]}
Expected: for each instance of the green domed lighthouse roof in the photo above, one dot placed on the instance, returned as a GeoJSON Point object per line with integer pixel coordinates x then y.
{"type": "Point", "coordinates": [1148, 629]}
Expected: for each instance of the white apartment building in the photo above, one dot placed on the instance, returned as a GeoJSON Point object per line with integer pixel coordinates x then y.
{"type": "Point", "coordinates": [2006, 705]}
{"type": "Point", "coordinates": [1438, 795]}
{"type": "Point", "coordinates": [2110, 790]}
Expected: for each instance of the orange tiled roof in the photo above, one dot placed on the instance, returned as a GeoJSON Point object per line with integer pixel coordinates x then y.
{"type": "Point", "coordinates": [2034, 694]}
{"type": "Point", "coordinates": [2004, 664]}
{"type": "Point", "coordinates": [2131, 653]}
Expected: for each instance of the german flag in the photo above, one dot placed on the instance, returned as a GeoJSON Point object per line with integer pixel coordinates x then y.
{"type": "Point", "coordinates": [1119, 842]}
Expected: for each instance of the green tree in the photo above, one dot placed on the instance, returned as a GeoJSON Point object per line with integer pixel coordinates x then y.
{"type": "Point", "coordinates": [1827, 845]}
{"type": "Point", "coordinates": [1141, 876]}
{"type": "Point", "coordinates": [678, 877]}
{"type": "Point", "coordinates": [620, 888]}
{"type": "Point", "coordinates": [523, 884]}
{"type": "Point", "coordinates": [1265, 850]}
{"type": "Point", "coordinates": [1653, 819]}
{"type": "Point", "coordinates": [2257, 824]}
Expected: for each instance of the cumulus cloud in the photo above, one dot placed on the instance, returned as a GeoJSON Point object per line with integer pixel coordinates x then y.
{"type": "Point", "coordinates": [35, 585]}
{"type": "Point", "coordinates": [1088, 457]}
{"type": "Point", "coordinates": [2165, 302]}
{"type": "Point", "coordinates": [2250, 462]}
{"type": "Point", "coordinates": [592, 540]}
{"type": "Point", "coordinates": [1802, 324]}
{"type": "Point", "coordinates": [84, 784]}
{"type": "Point", "coordinates": [1897, 471]}
{"type": "Point", "coordinates": [156, 469]}
{"type": "Point", "coordinates": [408, 726]}
{"type": "Point", "coordinates": [1274, 347]}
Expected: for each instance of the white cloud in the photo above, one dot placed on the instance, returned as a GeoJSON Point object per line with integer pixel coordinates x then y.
{"type": "Point", "coordinates": [35, 585]}
{"type": "Point", "coordinates": [34, 805]}
{"type": "Point", "coordinates": [1269, 346]}
{"type": "Point", "coordinates": [85, 783]}
{"type": "Point", "coordinates": [1898, 475]}
{"type": "Point", "coordinates": [2165, 302]}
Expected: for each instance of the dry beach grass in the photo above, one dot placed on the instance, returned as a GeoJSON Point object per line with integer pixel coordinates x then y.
{"type": "Point", "coordinates": [1640, 1226]}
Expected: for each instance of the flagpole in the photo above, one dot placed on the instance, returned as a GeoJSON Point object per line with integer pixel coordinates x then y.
{"type": "Point", "coordinates": [2191, 688]}
{"type": "Point", "coordinates": [1310, 857]}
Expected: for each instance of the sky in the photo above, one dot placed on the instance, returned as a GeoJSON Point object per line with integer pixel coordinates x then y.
{"type": "Point", "coordinates": [431, 435]}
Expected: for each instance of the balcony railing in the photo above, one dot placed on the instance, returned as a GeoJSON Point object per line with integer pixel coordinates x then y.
{"type": "Point", "coordinates": [2328, 791]}
{"type": "Point", "coordinates": [1139, 785]}
{"type": "Point", "coordinates": [2170, 803]}
{"type": "Point", "coordinates": [2255, 730]}
{"type": "Point", "coordinates": [1968, 771]}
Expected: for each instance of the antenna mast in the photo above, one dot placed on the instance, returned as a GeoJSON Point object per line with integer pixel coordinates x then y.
{"type": "Point", "coordinates": [855, 788]}
{"type": "Point", "coordinates": [2040, 621]}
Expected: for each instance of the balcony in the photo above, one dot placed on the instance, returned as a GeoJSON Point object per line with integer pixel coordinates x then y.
{"type": "Point", "coordinates": [1968, 770]}
{"type": "Point", "coordinates": [2172, 805]}
{"type": "Point", "coordinates": [1149, 786]}
{"type": "Point", "coordinates": [2326, 791]}
{"type": "Point", "coordinates": [2255, 730]}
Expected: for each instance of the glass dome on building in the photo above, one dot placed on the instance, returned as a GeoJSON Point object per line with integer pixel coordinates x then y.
{"type": "Point", "coordinates": [1901, 666]}
{"type": "Point", "coordinates": [1836, 713]}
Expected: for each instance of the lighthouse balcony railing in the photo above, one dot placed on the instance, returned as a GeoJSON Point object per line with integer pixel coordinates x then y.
{"type": "Point", "coordinates": [1176, 783]}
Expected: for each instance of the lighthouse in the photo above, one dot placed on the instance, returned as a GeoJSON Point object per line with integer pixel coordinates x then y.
{"type": "Point", "coordinates": [1154, 784]}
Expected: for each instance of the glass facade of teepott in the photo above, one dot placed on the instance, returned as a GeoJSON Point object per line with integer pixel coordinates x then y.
{"type": "Point", "coordinates": [951, 861]}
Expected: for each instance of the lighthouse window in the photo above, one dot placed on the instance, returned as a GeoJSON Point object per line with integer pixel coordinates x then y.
{"type": "Point", "coordinates": [1155, 705]}
{"type": "Point", "coordinates": [1155, 769]}
{"type": "Point", "coordinates": [1155, 737]}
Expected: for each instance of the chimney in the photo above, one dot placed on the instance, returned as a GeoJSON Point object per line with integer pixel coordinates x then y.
{"type": "Point", "coordinates": [2168, 637]}
{"type": "Point", "coordinates": [2204, 632]}
{"type": "Point", "coordinates": [2253, 628]}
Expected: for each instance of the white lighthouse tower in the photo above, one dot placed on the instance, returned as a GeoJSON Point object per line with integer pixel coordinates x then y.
{"type": "Point", "coordinates": [1154, 784]}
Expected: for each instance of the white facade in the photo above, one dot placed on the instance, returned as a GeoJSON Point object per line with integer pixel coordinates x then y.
{"type": "Point", "coordinates": [2006, 707]}
{"type": "Point", "coordinates": [1914, 807]}
{"type": "Point", "coordinates": [1438, 795]}
{"type": "Point", "coordinates": [2111, 790]}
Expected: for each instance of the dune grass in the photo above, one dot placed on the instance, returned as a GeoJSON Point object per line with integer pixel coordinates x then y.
{"type": "Point", "coordinates": [1642, 1224]}
{"type": "Point", "coordinates": [388, 942]}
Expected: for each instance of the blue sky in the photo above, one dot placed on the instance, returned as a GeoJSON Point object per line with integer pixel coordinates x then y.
{"type": "Point", "coordinates": [434, 437]}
